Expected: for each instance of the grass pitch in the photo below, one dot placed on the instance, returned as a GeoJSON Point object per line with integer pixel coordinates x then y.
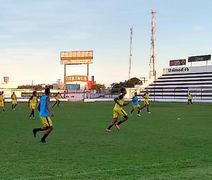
{"type": "Point", "coordinates": [153, 146]}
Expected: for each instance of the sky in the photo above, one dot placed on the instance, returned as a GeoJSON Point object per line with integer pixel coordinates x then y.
{"type": "Point", "coordinates": [33, 33]}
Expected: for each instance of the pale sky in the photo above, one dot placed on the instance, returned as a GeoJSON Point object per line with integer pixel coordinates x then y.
{"type": "Point", "coordinates": [33, 32]}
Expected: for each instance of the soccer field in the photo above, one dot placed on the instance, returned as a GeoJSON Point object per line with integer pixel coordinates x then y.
{"type": "Point", "coordinates": [153, 146]}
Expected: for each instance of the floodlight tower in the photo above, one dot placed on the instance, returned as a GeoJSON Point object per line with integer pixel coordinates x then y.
{"type": "Point", "coordinates": [152, 50]}
{"type": "Point", "coordinates": [130, 57]}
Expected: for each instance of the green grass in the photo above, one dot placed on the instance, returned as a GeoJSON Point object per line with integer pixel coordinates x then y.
{"type": "Point", "coordinates": [153, 146]}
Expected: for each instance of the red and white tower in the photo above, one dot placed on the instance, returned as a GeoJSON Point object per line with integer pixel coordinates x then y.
{"type": "Point", "coordinates": [130, 57]}
{"type": "Point", "coordinates": [152, 70]}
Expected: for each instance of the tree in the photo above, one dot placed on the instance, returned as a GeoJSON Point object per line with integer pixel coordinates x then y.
{"type": "Point", "coordinates": [98, 86]}
{"type": "Point", "coordinates": [130, 83]}
{"type": "Point", "coordinates": [37, 87]}
{"type": "Point", "coordinates": [133, 81]}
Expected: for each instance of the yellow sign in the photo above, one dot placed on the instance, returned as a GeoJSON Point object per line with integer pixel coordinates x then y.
{"type": "Point", "coordinates": [74, 78]}
{"type": "Point", "coordinates": [76, 57]}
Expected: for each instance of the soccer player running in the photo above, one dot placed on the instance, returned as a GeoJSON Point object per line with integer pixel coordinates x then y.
{"type": "Point", "coordinates": [118, 110]}
{"type": "Point", "coordinates": [135, 104]}
{"type": "Point", "coordinates": [2, 101]}
{"type": "Point", "coordinates": [14, 101]}
{"type": "Point", "coordinates": [57, 97]}
{"type": "Point", "coordinates": [3, 97]}
{"type": "Point", "coordinates": [146, 101]}
{"type": "Point", "coordinates": [46, 121]}
{"type": "Point", "coordinates": [189, 98]}
{"type": "Point", "coordinates": [32, 104]}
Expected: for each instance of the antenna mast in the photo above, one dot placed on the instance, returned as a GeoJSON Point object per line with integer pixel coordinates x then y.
{"type": "Point", "coordinates": [130, 57]}
{"type": "Point", "coordinates": [152, 50]}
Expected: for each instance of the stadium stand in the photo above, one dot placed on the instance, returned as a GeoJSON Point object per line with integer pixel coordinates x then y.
{"type": "Point", "coordinates": [175, 84]}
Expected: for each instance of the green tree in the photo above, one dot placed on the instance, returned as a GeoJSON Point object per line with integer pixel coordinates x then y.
{"type": "Point", "coordinates": [130, 83]}
{"type": "Point", "coordinates": [98, 86]}
{"type": "Point", "coordinates": [37, 87]}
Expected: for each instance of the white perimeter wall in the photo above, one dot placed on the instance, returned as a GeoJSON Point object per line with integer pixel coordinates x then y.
{"type": "Point", "coordinates": [183, 70]}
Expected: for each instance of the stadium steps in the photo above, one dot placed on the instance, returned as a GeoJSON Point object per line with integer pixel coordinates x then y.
{"type": "Point", "coordinates": [175, 87]}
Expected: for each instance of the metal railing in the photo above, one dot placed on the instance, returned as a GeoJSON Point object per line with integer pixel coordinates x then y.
{"type": "Point", "coordinates": [180, 93]}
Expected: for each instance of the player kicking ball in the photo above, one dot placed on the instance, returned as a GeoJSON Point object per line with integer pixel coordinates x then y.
{"type": "Point", "coordinates": [135, 104]}
{"type": "Point", "coordinates": [43, 107]}
{"type": "Point", "coordinates": [118, 110]}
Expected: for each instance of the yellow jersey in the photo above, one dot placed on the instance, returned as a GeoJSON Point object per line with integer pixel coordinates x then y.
{"type": "Point", "coordinates": [146, 96]}
{"type": "Point", "coordinates": [189, 96]}
{"type": "Point", "coordinates": [13, 97]}
{"type": "Point", "coordinates": [57, 97]}
{"type": "Point", "coordinates": [1, 99]}
{"type": "Point", "coordinates": [33, 100]}
{"type": "Point", "coordinates": [120, 101]}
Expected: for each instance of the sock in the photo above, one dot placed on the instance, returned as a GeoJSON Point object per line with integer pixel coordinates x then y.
{"type": "Point", "coordinates": [147, 109]}
{"type": "Point", "coordinates": [33, 113]}
{"type": "Point", "coordinates": [12, 106]}
{"type": "Point", "coordinates": [58, 104]}
{"type": "Point", "coordinates": [110, 126]}
{"type": "Point", "coordinates": [44, 136]}
{"type": "Point", "coordinates": [139, 111]}
{"type": "Point", "coordinates": [54, 104]}
{"type": "Point", "coordinates": [15, 105]}
{"type": "Point", "coordinates": [3, 109]}
{"type": "Point", "coordinates": [30, 114]}
{"type": "Point", "coordinates": [142, 107]}
{"type": "Point", "coordinates": [132, 111]}
{"type": "Point", "coordinates": [120, 122]}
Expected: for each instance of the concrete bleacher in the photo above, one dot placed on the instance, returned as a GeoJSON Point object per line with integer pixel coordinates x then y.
{"type": "Point", "coordinates": [175, 83]}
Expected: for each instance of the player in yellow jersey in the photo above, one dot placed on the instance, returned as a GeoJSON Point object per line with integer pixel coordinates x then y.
{"type": "Point", "coordinates": [118, 110]}
{"type": "Point", "coordinates": [57, 97]}
{"type": "Point", "coordinates": [32, 104]}
{"type": "Point", "coordinates": [189, 98]}
{"type": "Point", "coordinates": [2, 101]}
{"type": "Point", "coordinates": [14, 101]}
{"type": "Point", "coordinates": [146, 101]}
{"type": "Point", "coordinates": [3, 97]}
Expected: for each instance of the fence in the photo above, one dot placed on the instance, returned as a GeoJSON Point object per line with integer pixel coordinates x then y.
{"type": "Point", "coordinates": [201, 93]}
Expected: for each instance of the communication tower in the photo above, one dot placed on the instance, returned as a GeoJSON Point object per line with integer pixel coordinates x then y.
{"type": "Point", "coordinates": [152, 50]}
{"type": "Point", "coordinates": [130, 57]}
